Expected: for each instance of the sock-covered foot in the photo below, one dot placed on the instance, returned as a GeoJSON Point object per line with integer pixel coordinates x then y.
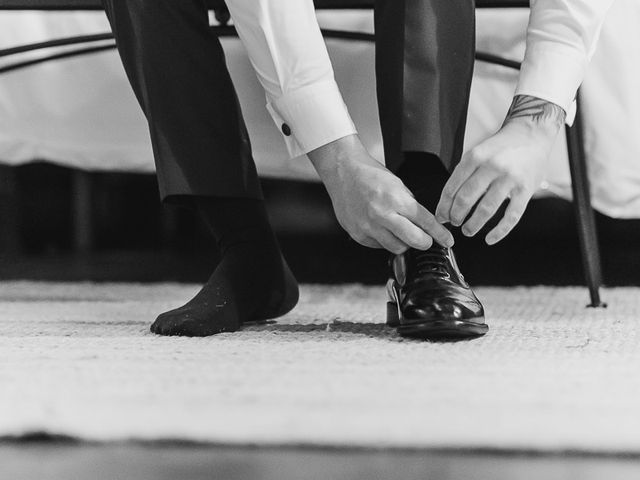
{"type": "Point", "coordinates": [252, 281]}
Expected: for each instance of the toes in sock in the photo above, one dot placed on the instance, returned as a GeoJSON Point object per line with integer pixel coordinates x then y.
{"type": "Point", "coordinates": [251, 282]}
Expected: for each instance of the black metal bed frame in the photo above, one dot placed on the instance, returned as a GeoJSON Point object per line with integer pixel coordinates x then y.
{"type": "Point", "coordinates": [585, 218]}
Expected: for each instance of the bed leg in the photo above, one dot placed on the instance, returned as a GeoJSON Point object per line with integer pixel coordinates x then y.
{"type": "Point", "coordinates": [585, 218]}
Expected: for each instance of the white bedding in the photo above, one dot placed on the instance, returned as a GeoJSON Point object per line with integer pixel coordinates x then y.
{"type": "Point", "coordinates": [80, 112]}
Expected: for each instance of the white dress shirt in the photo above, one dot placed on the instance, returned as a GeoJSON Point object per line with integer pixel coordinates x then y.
{"type": "Point", "coordinates": [287, 51]}
{"type": "Point", "coordinates": [561, 39]}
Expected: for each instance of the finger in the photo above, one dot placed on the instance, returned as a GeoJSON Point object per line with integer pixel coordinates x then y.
{"type": "Point", "coordinates": [468, 195]}
{"type": "Point", "coordinates": [511, 217]}
{"type": "Point", "coordinates": [389, 241]}
{"type": "Point", "coordinates": [487, 207]}
{"type": "Point", "coordinates": [369, 242]}
{"type": "Point", "coordinates": [407, 232]}
{"type": "Point", "coordinates": [464, 170]}
{"type": "Point", "coordinates": [427, 222]}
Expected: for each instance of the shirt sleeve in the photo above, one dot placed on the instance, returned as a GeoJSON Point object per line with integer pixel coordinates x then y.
{"type": "Point", "coordinates": [561, 39]}
{"type": "Point", "coordinates": [288, 53]}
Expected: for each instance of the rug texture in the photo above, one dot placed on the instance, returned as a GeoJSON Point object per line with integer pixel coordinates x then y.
{"type": "Point", "coordinates": [551, 375]}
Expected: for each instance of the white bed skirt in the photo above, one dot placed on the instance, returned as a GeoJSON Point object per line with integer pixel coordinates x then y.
{"type": "Point", "coordinates": [81, 113]}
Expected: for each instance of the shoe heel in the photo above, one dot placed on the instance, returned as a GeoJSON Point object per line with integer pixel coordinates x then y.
{"type": "Point", "coordinates": [392, 314]}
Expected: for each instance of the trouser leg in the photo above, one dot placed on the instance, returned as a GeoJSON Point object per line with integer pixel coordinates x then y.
{"type": "Point", "coordinates": [177, 69]}
{"type": "Point", "coordinates": [424, 64]}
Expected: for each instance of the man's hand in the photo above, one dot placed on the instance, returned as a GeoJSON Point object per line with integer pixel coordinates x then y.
{"type": "Point", "coordinates": [371, 203]}
{"type": "Point", "coordinates": [509, 165]}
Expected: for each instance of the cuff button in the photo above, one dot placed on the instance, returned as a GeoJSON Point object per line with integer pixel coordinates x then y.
{"type": "Point", "coordinates": [286, 129]}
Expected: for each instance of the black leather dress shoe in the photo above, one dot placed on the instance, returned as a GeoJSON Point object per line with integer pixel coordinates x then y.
{"type": "Point", "coordinates": [429, 298]}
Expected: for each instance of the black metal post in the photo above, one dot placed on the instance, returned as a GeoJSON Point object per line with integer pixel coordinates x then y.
{"type": "Point", "coordinates": [585, 219]}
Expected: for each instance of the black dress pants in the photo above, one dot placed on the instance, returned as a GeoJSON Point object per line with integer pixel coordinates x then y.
{"type": "Point", "coordinates": [177, 69]}
{"type": "Point", "coordinates": [176, 66]}
{"type": "Point", "coordinates": [424, 63]}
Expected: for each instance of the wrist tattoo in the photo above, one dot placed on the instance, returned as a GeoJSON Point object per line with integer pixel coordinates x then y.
{"type": "Point", "coordinates": [536, 110]}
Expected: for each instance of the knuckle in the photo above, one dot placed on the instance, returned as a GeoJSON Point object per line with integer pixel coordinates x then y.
{"type": "Point", "coordinates": [506, 225]}
{"type": "Point", "coordinates": [512, 218]}
{"type": "Point", "coordinates": [363, 228]}
{"type": "Point", "coordinates": [429, 223]}
{"type": "Point", "coordinates": [475, 156]}
{"type": "Point", "coordinates": [486, 209]}
{"type": "Point", "coordinates": [447, 192]}
{"type": "Point", "coordinates": [418, 241]}
{"type": "Point", "coordinates": [520, 184]}
{"type": "Point", "coordinates": [392, 200]}
{"type": "Point", "coordinates": [501, 169]}
{"type": "Point", "coordinates": [470, 228]}
{"type": "Point", "coordinates": [481, 154]}
{"type": "Point", "coordinates": [524, 189]}
{"type": "Point", "coordinates": [377, 189]}
{"type": "Point", "coordinates": [410, 238]}
{"type": "Point", "coordinates": [400, 249]}
{"type": "Point", "coordinates": [378, 215]}
{"type": "Point", "coordinates": [406, 203]}
{"type": "Point", "coordinates": [500, 162]}
{"type": "Point", "coordinates": [377, 195]}
{"type": "Point", "coordinates": [373, 211]}
{"type": "Point", "coordinates": [358, 237]}
{"type": "Point", "coordinates": [457, 217]}
{"type": "Point", "coordinates": [462, 201]}
{"type": "Point", "coordinates": [396, 248]}
{"type": "Point", "coordinates": [397, 184]}
{"type": "Point", "coordinates": [500, 232]}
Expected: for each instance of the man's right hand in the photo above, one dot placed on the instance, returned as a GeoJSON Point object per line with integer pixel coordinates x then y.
{"type": "Point", "coordinates": [371, 203]}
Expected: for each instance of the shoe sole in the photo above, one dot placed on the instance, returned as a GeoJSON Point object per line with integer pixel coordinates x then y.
{"type": "Point", "coordinates": [440, 329]}
{"type": "Point", "coordinates": [253, 323]}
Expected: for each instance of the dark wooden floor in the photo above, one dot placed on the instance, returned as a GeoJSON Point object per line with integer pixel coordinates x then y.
{"type": "Point", "coordinates": [63, 461]}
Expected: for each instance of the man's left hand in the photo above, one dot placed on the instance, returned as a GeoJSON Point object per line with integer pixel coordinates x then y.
{"type": "Point", "coordinates": [511, 164]}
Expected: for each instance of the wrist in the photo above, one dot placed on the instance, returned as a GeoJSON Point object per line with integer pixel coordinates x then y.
{"type": "Point", "coordinates": [328, 158]}
{"type": "Point", "coordinates": [547, 129]}
{"type": "Point", "coordinates": [537, 115]}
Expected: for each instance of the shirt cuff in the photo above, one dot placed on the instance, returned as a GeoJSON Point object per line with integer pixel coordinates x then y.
{"type": "Point", "coordinates": [311, 117]}
{"type": "Point", "coordinates": [554, 75]}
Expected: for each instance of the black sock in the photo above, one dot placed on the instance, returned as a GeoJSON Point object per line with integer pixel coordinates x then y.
{"type": "Point", "coordinates": [251, 282]}
{"type": "Point", "coordinates": [425, 176]}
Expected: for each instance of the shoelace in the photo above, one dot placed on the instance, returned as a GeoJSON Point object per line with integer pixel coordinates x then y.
{"type": "Point", "coordinates": [432, 261]}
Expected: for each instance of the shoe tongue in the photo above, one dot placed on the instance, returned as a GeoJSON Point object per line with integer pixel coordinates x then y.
{"type": "Point", "coordinates": [435, 257]}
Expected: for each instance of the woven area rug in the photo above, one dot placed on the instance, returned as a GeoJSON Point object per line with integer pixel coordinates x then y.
{"type": "Point", "coordinates": [551, 375]}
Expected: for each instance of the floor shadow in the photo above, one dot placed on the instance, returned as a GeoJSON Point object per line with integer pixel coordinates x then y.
{"type": "Point", "coordinates": [371, 330]}
{"type": "Point", "coordinates": [367, 329]}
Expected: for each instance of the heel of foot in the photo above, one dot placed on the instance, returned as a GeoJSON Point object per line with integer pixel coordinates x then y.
{"type": "Point", "coordinates": [281, 304]}
{"type": "Point", "coordinates": [283, 301]}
